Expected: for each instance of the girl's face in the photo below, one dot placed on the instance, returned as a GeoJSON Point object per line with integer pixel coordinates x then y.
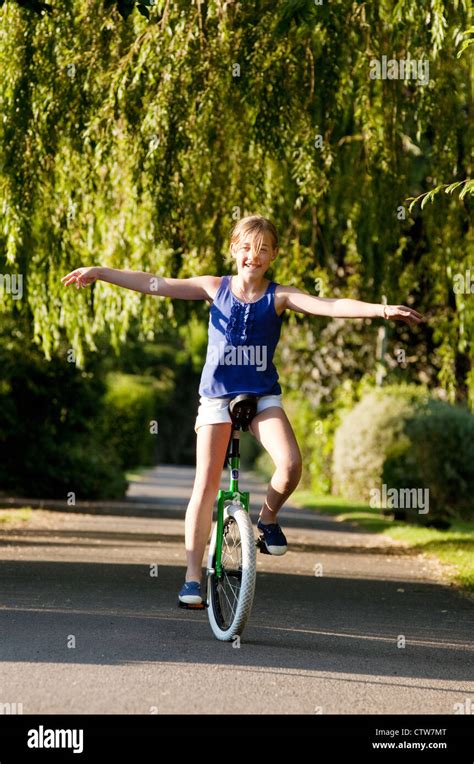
{"type": "Point", "coordinates": [248, 262]}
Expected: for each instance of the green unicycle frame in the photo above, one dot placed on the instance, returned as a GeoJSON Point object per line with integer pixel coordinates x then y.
{"type": "Point", "coordinates": [233, 494]}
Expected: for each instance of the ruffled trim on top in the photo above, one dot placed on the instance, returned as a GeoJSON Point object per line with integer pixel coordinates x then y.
{"type": "Point", "coordinates": [240, 323]}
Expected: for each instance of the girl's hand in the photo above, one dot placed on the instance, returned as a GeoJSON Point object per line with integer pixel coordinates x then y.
{"type": "Point", "coordinates": [82, 277]}
{"type": "Point", "coordinates": [402, 313]}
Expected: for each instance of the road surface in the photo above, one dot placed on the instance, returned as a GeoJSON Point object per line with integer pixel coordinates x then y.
{"type": "Point", "coordinates": [346, 622]}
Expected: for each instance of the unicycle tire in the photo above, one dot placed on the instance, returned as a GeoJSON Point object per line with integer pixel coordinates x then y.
{"type": "Point", "coordinates": [230, 598]}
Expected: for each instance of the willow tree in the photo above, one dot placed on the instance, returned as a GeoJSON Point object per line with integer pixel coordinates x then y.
{"type": "Point", "coordinates": [137, 143]}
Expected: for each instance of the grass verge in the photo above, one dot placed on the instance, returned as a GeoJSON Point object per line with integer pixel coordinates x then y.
{"type": "Point", "coordinates": [15, 515]}
{"type": "Point", "coordinates": [454, 546]}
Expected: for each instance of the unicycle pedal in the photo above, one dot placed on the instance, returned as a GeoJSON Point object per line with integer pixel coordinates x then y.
{"type": "Point", "coordinates": [261, 545]}
{"type": "Point", "coordinates": [188, 606]}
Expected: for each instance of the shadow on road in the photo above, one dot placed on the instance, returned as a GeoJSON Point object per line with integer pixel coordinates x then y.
{"type": "Point", "coordinates": [120, 615]}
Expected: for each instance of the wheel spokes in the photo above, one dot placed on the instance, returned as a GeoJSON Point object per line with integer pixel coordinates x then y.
{"type": "Point", "coordinates": [229, 586]}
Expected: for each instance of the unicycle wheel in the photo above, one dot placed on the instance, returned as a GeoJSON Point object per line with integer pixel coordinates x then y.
{"type": "Point", "coordinates": [230, 597]}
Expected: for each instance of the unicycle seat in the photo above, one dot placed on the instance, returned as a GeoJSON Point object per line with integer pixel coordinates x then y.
{"type": "Point", "coordinates": [242, 410]}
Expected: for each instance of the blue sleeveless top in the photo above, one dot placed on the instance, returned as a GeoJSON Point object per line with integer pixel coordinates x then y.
{"type": "Point", "coordinates": [242, 338]}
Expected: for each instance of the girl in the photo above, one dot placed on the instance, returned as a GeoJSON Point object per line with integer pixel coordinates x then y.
{"type": "Point", "coordinates": [245, 321]}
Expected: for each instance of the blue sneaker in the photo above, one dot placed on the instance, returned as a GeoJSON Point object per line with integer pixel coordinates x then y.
{"type": "Point", "coordinates": [190, 593]}
{"type": "Point", "coordinates": [273, 538]}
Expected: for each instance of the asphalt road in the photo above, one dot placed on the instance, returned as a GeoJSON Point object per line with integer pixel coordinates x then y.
{"type": "Point", "coordinates": [85, 628]}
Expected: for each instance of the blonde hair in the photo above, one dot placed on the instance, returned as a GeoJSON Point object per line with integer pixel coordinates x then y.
{"type": "Point", "coordinates": [256, 225]}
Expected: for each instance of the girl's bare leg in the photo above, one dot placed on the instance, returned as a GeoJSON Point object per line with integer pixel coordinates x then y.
{"type": "Point", "coordinates": [211, 446]}
{"type": "Point", "coordinates": [273, 430]}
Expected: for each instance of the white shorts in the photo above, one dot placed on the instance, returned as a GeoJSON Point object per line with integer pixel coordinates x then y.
{"type": "Point", "coordinates": [215, 410]}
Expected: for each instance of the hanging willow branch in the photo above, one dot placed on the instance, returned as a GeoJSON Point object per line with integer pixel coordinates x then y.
{"type": "Point", "coordinates": [449, 188]}
{"type": "Point", "coordinates": [139, 145]}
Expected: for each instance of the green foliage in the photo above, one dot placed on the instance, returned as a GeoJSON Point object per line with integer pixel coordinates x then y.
{"type": "Point", "coordinates": [51, 442]}
{"type": "Point", "coordinates": [174, 363]}
{"type": "Point", "coordinates": [63, 429]}
{"type": "Point", "coordinates": [87, 465]}
{"type": "Point", "coordinates": [132, 409]}
{"type": "Point", "coordinates": [467, 41]}
{"type": "Point", "coordinates": [194, 337]}
{"type": "Point", "coordinates": [437, 452]}
{"type": "Point", "coordinates": [119, 145]}
{"type": "Point", "coordinates": [366, 435]}
{"type": "Point", "coordinates": [400, 437]}
{"type": "Point", "coordinates": [449, 188]}
{"type": "Point", "coordinates": [138, 144]}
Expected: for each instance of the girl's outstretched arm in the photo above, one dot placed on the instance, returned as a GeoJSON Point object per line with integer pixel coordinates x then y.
{"type": "Point", "coordinates": [301, 302]}
{"type": "Point", "coordinates": [195, 288]}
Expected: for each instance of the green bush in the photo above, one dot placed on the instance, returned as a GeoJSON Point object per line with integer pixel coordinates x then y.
{"type": "Point", "coordinates": [132, 408]}
{"type": "Point", "coordinates": [63, 429]}
{"type": "Point", "coordinates": [91, 470]}
{"type": "Point", "coordinates": [397, 436]}
{"type": "Point", "coordinates": [366, 433]}
{"type": "Point", "coordinates": [362, 439]}
{"type": "Point", "coordinates": [170, 362]}
{"type": "Point", "coordinates": [167, 394]}
{"type": "Point", "coordinates": [437, 451]}
{"type": "Point", "coordinates": [51, 441]}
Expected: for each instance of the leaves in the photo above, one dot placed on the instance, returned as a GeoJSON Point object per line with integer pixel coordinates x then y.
{"type": "Point", "coordinates": [448, 189]}
{"type": "Point", "coordinates": [139, 145]}
{"type": "Point", "coordinates": [467, 41]}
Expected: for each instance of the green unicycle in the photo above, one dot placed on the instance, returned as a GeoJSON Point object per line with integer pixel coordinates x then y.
{"type": "Point", "coordinates": [232, 565]}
